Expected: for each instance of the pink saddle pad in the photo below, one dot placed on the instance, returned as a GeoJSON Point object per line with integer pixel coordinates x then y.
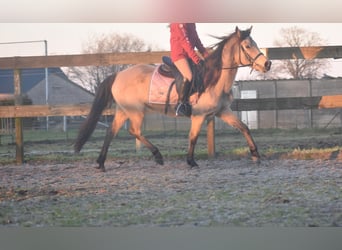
{"type": "Point", "coordinates": [159, 88]}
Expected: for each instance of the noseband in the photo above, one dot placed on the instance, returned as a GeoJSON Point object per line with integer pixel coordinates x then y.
{"type": "Point", "coordinates": [250, 59]}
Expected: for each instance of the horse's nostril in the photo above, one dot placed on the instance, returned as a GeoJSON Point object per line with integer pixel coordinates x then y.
{"type": "Point", "coordinates": [268, 65]}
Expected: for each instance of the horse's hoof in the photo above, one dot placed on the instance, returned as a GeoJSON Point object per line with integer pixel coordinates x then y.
{"type": "Point", "coordinates": [255, 156]}
{"type": "Point", "coordinates": [256, 160]}
{"type": "Point", "coordinates": [158, 157]}
{"type": "Point", "coordinates": [160, 161]}
{"type": "Point", "coordinates": [192, 163]}
{"type": "Point", "coordinates": [101, 168]}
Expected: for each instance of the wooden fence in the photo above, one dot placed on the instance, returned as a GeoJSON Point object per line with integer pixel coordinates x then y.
{"type": "Point", "coordinates": [18, 110]}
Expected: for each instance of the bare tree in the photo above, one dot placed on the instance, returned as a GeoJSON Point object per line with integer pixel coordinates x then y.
{"type": "Point", "coordinates": [90, 77]}
{"type": "Point", "coordinates": [299, 68]}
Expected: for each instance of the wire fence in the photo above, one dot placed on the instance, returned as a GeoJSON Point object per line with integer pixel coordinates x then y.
{"type": "Point", "coordinates": [67, 127]}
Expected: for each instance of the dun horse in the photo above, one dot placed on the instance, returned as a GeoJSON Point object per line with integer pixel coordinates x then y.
{"type": "Point", "coordinates": [130, 89]}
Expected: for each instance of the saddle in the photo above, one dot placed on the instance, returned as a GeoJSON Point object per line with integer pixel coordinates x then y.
{"type": "Point", "coordinates": [168, 69]}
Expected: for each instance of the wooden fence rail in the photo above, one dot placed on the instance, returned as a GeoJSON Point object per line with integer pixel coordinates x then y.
{"type": "Point", "coordinates": [284, 103]}
{"type": "Point", "coordinates": [18, 63]}
{"type": "Point", "coordinates": [280, 103]}
{"type": "Point", "coordinates": [48, 110]}
{"type": "Point", "coordinates": [153, 57]}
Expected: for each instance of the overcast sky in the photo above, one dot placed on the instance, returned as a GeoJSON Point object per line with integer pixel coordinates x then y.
{"type": "Point", "coordinates": [69, 38]}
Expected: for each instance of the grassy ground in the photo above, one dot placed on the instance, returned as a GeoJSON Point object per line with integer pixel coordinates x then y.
{"type": "Point", "coordinates": [57, 146]}
{"type": "Point", "coordinates": [57, 188]}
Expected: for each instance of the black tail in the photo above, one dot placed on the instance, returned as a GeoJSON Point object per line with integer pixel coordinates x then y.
{"type": "Point", "coordinates": [102, 99]}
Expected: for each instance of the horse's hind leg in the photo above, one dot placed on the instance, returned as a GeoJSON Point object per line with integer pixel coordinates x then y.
{"type": "Point", "coordinates": [112, 131]}
{"type": "Point", "coordinates": [135, 130]}
{"type": "Point", "coordinates": [196, 123]}
{"type": "Point", "coordinates": [235, 122]}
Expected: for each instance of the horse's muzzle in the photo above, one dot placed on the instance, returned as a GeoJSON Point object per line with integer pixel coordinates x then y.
{"type": "Point", "coordinates": [268, 65]}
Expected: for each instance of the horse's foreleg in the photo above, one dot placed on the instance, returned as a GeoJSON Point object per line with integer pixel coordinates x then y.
{"type": "Point", "coordinates": [196, 124]}
{"type": "Point", "coordinates": [135, 130]}
{"type": "Point", "coordinates": [232, 120]}
{"type": "Point", "coordinates": [112, 131]}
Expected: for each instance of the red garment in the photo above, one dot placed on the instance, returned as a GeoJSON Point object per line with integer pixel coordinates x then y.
{"type": "Point", "coordinates": [183, 40]}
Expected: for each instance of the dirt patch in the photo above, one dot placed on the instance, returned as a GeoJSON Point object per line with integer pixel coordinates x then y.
{"type": "Point", "coordinates": [137, 192]}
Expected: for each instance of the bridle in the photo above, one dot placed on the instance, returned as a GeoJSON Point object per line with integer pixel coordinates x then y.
{"type": "Point", "coordinates": [250, 59]}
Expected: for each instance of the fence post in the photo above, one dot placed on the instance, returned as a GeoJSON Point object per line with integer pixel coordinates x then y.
{"type": "Point", "coordinates": [310, 110]}
{"type": "Point", "coordinates": [211, 136]}
{"type": "Point", "coordinates": [18, 121]}
{"type": "Point", "coordinates": [276, 96]}
{"type": "Point", "coordinates": [137, 145]}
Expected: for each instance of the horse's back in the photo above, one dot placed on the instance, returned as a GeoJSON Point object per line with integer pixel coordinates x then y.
{"type": "Point", "coordinates": [132, 84]}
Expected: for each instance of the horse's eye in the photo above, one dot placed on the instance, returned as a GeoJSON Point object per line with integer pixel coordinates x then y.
{"type": "Point", "coordinates": [248, 46]}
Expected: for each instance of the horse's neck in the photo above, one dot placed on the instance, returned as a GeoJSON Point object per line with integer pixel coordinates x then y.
{"type": "Point", "coordinates": [227, 77]}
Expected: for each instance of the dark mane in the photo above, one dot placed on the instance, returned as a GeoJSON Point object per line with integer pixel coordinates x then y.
{"type": "Point", "coordinates": [214, 60]}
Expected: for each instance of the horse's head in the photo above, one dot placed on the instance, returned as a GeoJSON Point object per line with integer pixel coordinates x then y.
{"type": "Point", "coordinates": [249, 54]}
{"type": "Point", "coordinates": [232, 52]}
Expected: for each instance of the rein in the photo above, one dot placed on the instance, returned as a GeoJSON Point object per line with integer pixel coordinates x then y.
{"type": "Point", "coordinates": [236, 67]}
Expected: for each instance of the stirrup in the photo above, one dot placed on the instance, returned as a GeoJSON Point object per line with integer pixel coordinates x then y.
{"type": "Point", "coordinates": [178, 109]}
{"type": "Point", "coordinates": [183, 109]}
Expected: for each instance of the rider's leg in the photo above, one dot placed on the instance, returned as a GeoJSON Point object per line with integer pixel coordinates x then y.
{"type": "Point", "coordinates": [183, 107]}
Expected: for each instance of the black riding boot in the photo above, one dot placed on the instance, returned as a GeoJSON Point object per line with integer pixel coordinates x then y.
{"type": "Point", "coordinates": [183, 107]}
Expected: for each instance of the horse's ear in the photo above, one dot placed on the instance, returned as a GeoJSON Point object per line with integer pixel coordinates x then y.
{"type": "Point", "coordinates": [250, 29]}
{"type": "Point", "coordinates": [237, 31]}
